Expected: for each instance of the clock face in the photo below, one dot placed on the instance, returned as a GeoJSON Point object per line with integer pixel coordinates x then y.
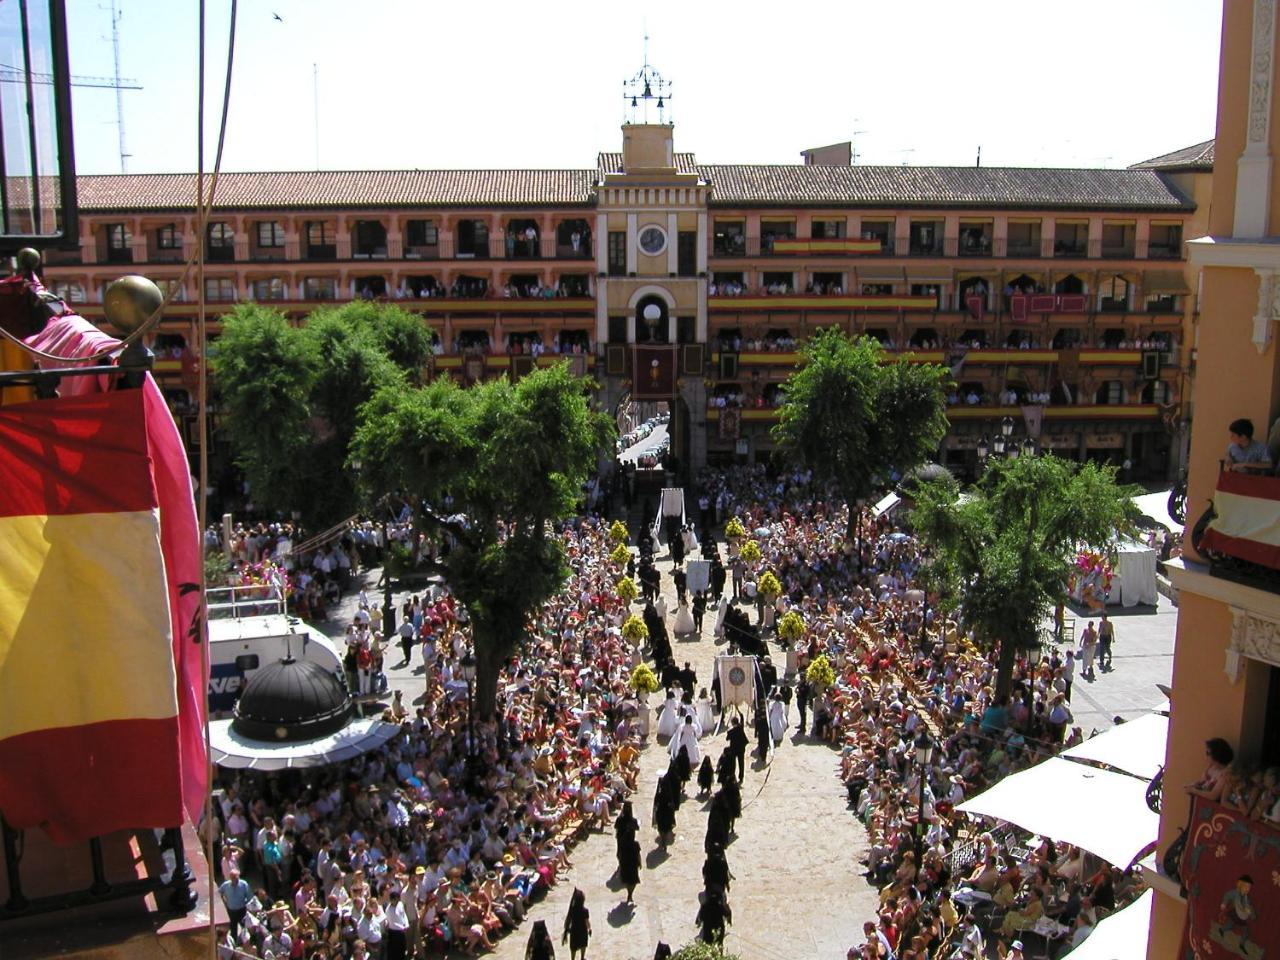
{"type": "Point", "coordinates": [653, 240]}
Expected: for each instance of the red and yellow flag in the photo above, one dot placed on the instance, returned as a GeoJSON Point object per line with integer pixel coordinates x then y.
{"type": "Point", "coordinates": [100, 670]}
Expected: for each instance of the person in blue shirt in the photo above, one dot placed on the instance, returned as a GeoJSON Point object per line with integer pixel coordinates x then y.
{"type": "Point", "coordinates": [236, 895]}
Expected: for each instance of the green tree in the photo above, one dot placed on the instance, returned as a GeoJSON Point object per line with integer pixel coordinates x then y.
{"type": "Point", "coordinates": [511, 459]}
{"type": "Point", "coordinates": [293, 392]}
{"type": "Point", "coordinates": [852, 415]}
{"type": "Point", "coordinates": [1007, 546]}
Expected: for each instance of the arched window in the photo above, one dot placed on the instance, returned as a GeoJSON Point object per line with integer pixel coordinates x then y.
{"type": "Point", "coordinates": [1069, 284]}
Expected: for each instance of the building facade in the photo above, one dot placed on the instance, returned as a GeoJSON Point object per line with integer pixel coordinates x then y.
{"type": "Point", "coordinates": [1059, 298]}
{"type": "Point", "coordinates": [1226, 670]}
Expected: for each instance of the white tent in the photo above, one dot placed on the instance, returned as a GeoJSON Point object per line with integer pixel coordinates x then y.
{"type": "Point", "coordinates": [236, 752]}
{"type": "Point", "coordinates": [1156, 506]}
{"type": "Point", "coordinates": [1136, 747]}
{"type": "Point", "coordinates": [885, 504]}
{"type": "Point", "coordinates": [1122, 936]}
{"type": "Point", "coordinates": [1105, 813]}
{"type": "Point", "coordinates": [1135, 577]}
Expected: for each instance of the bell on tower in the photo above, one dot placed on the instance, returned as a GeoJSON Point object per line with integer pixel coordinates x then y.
{"type": "Point", "coordinates": [646, 91]}
{"type": "Point", "coordinates": [647, 144]}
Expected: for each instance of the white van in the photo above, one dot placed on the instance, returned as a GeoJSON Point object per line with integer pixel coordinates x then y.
{"type": "Point", "coordinates": [250, 628]}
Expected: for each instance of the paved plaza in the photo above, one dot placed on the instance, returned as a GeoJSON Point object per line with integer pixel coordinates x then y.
{"type": "Point", "coordinates": [799, 890]}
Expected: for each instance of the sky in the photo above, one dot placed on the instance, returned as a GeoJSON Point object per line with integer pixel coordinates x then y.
{"type": "Point", "coordinates": [405, 84]}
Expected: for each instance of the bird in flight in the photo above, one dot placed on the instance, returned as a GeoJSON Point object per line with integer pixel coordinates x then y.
{"type": "Point", "coordinates": [278, 17]}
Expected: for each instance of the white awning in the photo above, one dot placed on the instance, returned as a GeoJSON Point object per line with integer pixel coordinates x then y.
{"type": "Point", "coordinates": [234, 752]}
{"type": "Point", "coordinates": [1105, 813]}
{"type": "Point", "coordinates": [1156, 506]}
{"type": "Point", "coordinates": [885, 505]}
{"type": "Point", "coordinates": [1136, 747]}
{"type": "Point", "coordinates": [1122, 936]}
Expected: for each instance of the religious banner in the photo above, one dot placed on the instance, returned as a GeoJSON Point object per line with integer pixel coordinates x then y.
{"type": "Point", "coordinates": [976, 304]}
{"type": "Point", "coordinates": [730, 422]}
{"type": "Point", "coordinates": [699, 574]}
{"type": "Point", "coordinates": [737, 680]}
{"type": "Point", "coordinates": [654, 373]}
{"type": "Point", "coordinates": [101, 678]}
{"type": "Point", "coordinates": [1033, 417]}
{"type": "Point", "coordinates": [1230, 868]}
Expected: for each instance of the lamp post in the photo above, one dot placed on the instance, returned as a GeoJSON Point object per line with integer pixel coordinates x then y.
{"type": "Point", "coordinates": [924, 753]}
{"type": "Point", "coordinates": [467, 666]}
{"type": "Point", "coordinates": [984, 449]}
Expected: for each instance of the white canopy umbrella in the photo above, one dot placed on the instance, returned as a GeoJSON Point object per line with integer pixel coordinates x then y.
{"type": "Point", "coordinates": [1122, 936]}
{"type": "Point", "coordinates": [233, 751]}
{"type": "Point", "coordinates": [1156, 506]}
{"type": "Point", "coordinates": [1136, 747]}
{"type": "Point", "coordinates": [1105, 813]}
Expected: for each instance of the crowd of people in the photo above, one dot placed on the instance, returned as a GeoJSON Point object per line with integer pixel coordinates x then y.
{"type": "Point", "coordinates": [439, 841]}
{"type": "Point", "coordinates": [442, 839]}
{"type": "Point", "coordinates": [902, 671]}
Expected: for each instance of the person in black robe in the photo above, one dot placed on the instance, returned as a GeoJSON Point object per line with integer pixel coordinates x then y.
{"type": "Point", "coordinates": [803, 694]}
{"type": "Point", "coordinates": [733, 799]}
{"type": "Point", "coordinates": [683, 766]}
{"type": "Point", "coordinates": [764, 737]}
{"type": "Point", "coordinates": [629, 863]}
{"type": "Point", "coordinates": [716, 874]}
{"type": "Point", "coordinates": [577, 926]}
{"type": "Point", "coordinates": [706, 776]}
{"type": "Point", "coordinates": [717, 823]}
{"type": "Point", "coordinates": [725, 768]}
{"type": "Point", "coordinates": [676, 540]}
{"type": "Point", "coordinates": [699, 609]}
{"type": "Point", "coordinates": [712, 917]}
{"type": "Point", "coordinates": [681, 580]}
{"type": "Point", "coordinates": [716, 693]}
{"type": "Point", "coordinates": [688, 681]}
{"type": "Point", "coordinates": [540, 946]}
{"type": "Point", "coordinates": [718, 577]}
{"type": "Point", "coordinates": [664, 810]}
{"type": "Point", "coordinates": [625, 827]}
{"type": "Point", "coordinates": [738, 740]}
{"type": "Point", "coordinates": [662, 952]}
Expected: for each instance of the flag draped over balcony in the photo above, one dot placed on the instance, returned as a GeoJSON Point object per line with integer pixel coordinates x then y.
{"type": "Point", "coordinates": [101, 674]}
{"type": "Point", "coordinates": [1231, 869]}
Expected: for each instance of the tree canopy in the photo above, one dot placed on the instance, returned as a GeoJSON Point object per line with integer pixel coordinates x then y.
{"type": "Point", "coordinates": [491, 467]}
{"type": "Point", "coordinates": [292, 394]}
{"type": "Point", "coordinates": [1007, 547]}
{"type": "Point", "coordinates": [853, 416]}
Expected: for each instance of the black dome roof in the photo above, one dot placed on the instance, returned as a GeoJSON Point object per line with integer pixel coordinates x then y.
{"type": "Point", "coordinates": [291, 700]}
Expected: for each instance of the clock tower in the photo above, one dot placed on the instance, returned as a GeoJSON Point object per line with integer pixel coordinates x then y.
{"type": "Point", "coordinates": [651, 304]}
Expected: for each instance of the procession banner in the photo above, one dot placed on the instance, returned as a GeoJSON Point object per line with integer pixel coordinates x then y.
{"type": "Point", "coordinates": [101, 679]}
{"type": "Point", "coordinates": [654, 373]}
{"type": "Point", "coordinates": [699, 574]}
{"type": "Point", "coordinates": [737, 680]}
{"type": "Point", "coordinates": [1230, 868]}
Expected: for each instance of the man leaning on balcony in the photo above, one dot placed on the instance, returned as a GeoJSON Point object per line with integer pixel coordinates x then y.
{"type": "Point", "coordinates": [1245, 453]}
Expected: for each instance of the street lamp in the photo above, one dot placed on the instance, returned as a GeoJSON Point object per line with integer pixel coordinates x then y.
{"type": "Point", "coordinates": [924, 753]}
{"type": "Point", "coordinates": [1006, 427]}
{"type": "Point", "coordinates": [998, 445]}
{"type": "Point", "coordinates": [1029, 447]}
{"type": "Point", "coordinates": [467, 667]}
{"type": "Point", "coordinates": [984, 448]}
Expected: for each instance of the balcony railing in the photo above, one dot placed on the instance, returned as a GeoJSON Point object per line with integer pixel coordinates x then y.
{"type": "Point", "coordinates": [220, 254]}
{"type": "Point", "coordinates": [119, 254]}
{"type": "Point", "coordinates": [321, 251]}
{"type": "Point", "coordinates": [1160, 251]}
{"type": "Point", "coordinates": [1020, 249]}
{"type": "Point", "coordinates": [935, 249]}
{"type": "Point", "coordinates": [164, 255]}
{"type": "Point", "coordinates": [1070, 248]}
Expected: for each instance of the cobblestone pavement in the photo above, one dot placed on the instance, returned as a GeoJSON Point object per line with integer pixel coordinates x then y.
{"type": "Point", "coordinates": [798, 892]}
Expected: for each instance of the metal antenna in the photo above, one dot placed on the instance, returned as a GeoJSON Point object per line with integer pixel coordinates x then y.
{"type": "Point", "coordinates": [115, 52]}
{"type": "Point", "coordinates": [853, 143]}
{"type": "Point", "coordinates": [315, 102]}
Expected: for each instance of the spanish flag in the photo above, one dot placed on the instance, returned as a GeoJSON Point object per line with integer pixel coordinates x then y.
{"type": "Point", "coordinates": [101, 688]}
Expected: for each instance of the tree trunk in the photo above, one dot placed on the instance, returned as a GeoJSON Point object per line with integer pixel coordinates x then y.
{"type": "Point", "coordinates": [851, 527]}
{"type": "Point", "coordinates": [1004, 667]}
{"type": "Point", "coordinates": [489, 659]}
